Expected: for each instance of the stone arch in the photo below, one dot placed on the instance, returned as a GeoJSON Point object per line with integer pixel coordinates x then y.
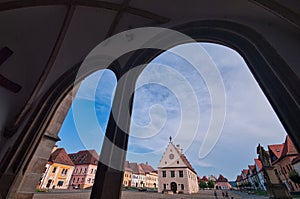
{"type": "Point", "coordinates": [277, 80]}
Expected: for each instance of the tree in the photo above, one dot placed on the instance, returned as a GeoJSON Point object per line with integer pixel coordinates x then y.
{"type": "Point", "coordinates": [203, 185]}
{"type": "Point", "coordinates": [211, 184]}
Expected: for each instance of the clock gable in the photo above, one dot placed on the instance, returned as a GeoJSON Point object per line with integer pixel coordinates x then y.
{"type": "Point", "coordinates": [171, 157]}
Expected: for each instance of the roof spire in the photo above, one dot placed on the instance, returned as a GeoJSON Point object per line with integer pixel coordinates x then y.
{"type": "Point", "coordinates": [170, 138]}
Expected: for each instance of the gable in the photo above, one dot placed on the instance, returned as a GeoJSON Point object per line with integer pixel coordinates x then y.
{"type": "Point", "coordinates": [173, 158]}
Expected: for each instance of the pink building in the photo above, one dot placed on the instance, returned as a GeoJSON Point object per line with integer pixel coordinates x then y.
{"type": "Point", "coordinates": [85, 168]}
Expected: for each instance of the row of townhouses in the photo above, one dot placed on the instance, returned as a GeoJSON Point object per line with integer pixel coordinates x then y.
{"type": "Point", "coordinates": [139, 175]}
{"type": "Point", "coordinates": [286, 163]}
{"type": "Point", "coordinates": [78, 170]}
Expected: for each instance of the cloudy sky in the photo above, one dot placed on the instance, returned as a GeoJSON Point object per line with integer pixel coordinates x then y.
{"type": "Point", "coordinates": [202, 95]}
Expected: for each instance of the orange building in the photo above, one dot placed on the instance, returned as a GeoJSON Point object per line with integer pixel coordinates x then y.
{"type": "Point", "coordinates": [58, 171]}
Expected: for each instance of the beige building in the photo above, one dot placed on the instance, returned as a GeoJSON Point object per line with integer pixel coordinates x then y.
{"type": "Point", "coordinates": [127, 179]}
{"type": "Point", "coordinates": [58, 171]}
{"type": "Point", "coordinates": [151, 175]}
{"type": "Point", "coordinates": [175, 173]}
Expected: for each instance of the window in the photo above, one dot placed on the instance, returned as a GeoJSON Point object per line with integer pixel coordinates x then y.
{"type": "Point", "coordinates": [77, 180]}
{"type": "Point", "coordinates": [165, 186]}
{"type": "Point", "coordinates": [73, 180]}
{"type": "Point", "coordinates": [80, 170]}
{"type": "Point", "coordinates": [89, 180]}
{"type": "Point", "coordinates": [181, 174]}
{"type": "Point", "coordinates": [76, 170]}
{"type": "Point", "coordinates": [95, 170]}
{"type": "Point", "coordinates": [54, 170]}
{"type": "Point", "coordinates": [82, 179]}
{"type": "Point", "coordinates": [60, 183]}
{"type": "Point", "coordinates": [85, 170]}
{"type": "Point", "coordinates": [164, 174]}
{"type": "Point", "coordinates": [172, 174]}
{"type": "Point", "coordinates": [182, 186]}
{"type": "Point", "coordinates": [177, 162]}
{"type": "Point", "coordinates": [91, 171]}
{"type": "Point", "coordinates": [64, 172]}
{"type": "Point", "coordinates": [165, 162]}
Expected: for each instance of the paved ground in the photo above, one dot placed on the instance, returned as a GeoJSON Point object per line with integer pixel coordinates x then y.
{"type": "Point", "coordinates": [146, 195]}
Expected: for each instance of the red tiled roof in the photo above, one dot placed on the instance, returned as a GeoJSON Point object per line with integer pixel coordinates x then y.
{"type": "Point", "coordinates": [276, 149]}
{"type": "Point", "coordinates": [127, 166]}
{"type": "Point", "coordinates": [245, 171]}
{"type": "Point", "coordinates": [85, 157]}
{"type": "Point", "coordinates": [204, 178]}
{"type": "Point", "coordinates": [258, 162]}
{"type": "Point", "coordinates": [60, 156]}
{"type": "Point", "coordinates": [184, 159]}
{"type": "Point", "coordinates": [136, 168]}
{"type": "Point", "coordinates": [239, 178]}
{"type": "Point", "coordinates": [289, 147]}
{"type": "Point", "coordinates": [221, 178]}
{"type": "Point", "coordinates": [147, 168]}
{"type": "Point", "coordinates": [251, 167]}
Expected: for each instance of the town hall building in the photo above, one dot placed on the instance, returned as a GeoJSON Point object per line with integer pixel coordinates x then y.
{"type": "Point", "coordinates": [175, 173]}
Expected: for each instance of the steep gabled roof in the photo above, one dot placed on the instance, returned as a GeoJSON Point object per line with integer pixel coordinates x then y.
{"type": "Point", "coordinates": [180, 158]}
{"type": "Point", "coordinates": [204, 178]}
{"type": "Point", "coordinates": [147, 168]}
{"type": "Point", "coordinates": [85, 157]}
{"type": "Point", "coordinates": [276, 149]}
{"type": "Point", "coordinates": [289, 147]}
{"type": "Point", "coordinates": [184, 159]}
{"type": "Point", "coordinates": [239, 178]}
{"type": "Point", "coordinates": [221, 178]}
{"type": "Point", "coordinates": [258, 162]}
{"type": "Point", "coordinates": [60, 156]}
{"type": "Point", "coordinates": [127, 166]}
{"type": "Point", "coordinates": [137, 169]}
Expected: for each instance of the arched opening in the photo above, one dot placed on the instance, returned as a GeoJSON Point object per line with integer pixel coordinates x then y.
{"type": "Point", "coordinates": [73, 138]}
{"type": "Point", "coordinates": [174, 187]}
{"type": "Point", "coordinates": [160, 98]}
{"type": "Point", "coordinates": [251, 53]}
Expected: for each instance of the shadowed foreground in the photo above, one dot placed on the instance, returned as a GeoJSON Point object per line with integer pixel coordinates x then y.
{"type": "Point", "coordinates": [143, 195]}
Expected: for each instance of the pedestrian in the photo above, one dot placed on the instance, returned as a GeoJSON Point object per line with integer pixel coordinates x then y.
{"type": "Point", "coordinates": [223, 194]}
{"type": "Point", "coordinates": [215, 194]}
{"type": "Point", "coordinates": [226, 194]}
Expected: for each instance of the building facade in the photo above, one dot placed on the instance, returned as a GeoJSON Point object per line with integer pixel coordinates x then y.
{"type": "Point", "coordinates": [127, 178]}
{"type": "Point", "coordinates": [58, 171]}
{"type": "Point", "coordinates": [175, 173]}
{"type": "Point", "coordinates": [282, 157]}
{"type": "Point", "coordinates": [85, 162]}
{"type": "Point", "coordinates": [260, 174]}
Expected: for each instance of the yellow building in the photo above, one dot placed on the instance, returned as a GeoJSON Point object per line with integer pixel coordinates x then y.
{"type": "Point", "coordinates": [58, 171]}
{"type": "Point", "coordinates": [127, 179]}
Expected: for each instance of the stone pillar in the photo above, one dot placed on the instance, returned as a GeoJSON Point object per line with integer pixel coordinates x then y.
{"type": "Point", "coordinates": [26, 180]}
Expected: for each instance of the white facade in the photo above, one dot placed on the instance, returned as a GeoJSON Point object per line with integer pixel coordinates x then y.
{"type": "Point", "coordinates": [175, 172]}
{"type": "Point", "coordinates": [138, 180]}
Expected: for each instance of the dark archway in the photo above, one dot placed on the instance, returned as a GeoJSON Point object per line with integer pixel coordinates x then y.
{"type": "Point", "coordinates": [273, 74]}
{"type": "Point", "coordinates": [174, 187]}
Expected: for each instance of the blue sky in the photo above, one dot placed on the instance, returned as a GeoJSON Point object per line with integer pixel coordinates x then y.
{"type": "Point", "coordinates": [160, 111]}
